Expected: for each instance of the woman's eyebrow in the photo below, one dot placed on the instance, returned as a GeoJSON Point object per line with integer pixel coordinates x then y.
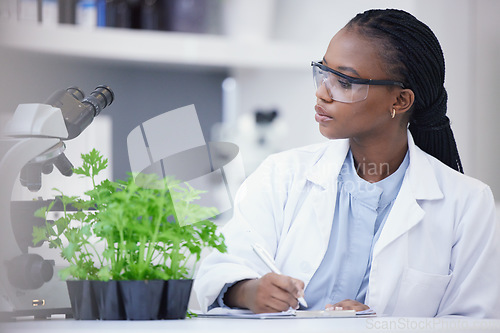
{"type": "Point", "coordinates": [344, 68]}
{"type": "Point", "coordinates": [348, 69]}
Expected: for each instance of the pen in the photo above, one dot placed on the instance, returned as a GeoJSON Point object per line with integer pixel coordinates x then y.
{"type": "Point", "coordinates": [268, 260]}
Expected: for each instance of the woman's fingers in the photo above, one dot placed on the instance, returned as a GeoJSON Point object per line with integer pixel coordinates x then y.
{"type": "Point", "coordinates": [293, 286]}
{"type": "Point", "coordinates": [347, 304]}
{"type": "Point", "coordinates": [273, 293]}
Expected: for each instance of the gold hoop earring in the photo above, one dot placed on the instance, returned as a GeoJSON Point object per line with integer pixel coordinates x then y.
{"type": "Point", "coordinates": [393, 113]}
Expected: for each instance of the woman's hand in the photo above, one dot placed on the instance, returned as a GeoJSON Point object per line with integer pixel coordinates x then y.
{"type": "Point", "coordinates": [271, 293]}
{"type": "Point", "coordinates": [347, 304]}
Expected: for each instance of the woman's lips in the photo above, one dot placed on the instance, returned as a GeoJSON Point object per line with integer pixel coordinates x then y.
{"type": "Point", "coordinates": [321, 115]}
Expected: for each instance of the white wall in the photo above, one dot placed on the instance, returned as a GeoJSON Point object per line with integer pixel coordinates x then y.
{"type": "Point", "coordinates": [456, 36]}
{"type": "Point", "coordinates": [471, 44]}
{"type": "Point", "coordinates": [484, 108]}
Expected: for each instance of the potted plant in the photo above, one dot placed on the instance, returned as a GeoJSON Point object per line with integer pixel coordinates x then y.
{"type": "Point", "coordinates": [150, 234]}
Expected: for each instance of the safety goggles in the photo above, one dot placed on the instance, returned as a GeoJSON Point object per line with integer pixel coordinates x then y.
{"type": "Point", "coordinates": [344, 88]}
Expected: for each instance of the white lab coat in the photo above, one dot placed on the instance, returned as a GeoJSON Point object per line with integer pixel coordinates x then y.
{"type": "Point", "coordinates": [438, 253]}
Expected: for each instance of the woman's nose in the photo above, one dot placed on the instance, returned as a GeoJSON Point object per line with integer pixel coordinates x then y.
{"type": "Point", "coordinates": [323, 93]}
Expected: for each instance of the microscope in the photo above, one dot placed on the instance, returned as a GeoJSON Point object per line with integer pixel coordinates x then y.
{"type": "Point", "coordinates": [31, 144]}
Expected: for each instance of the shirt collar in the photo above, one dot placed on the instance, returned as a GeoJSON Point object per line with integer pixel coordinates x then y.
{"type": "Point", "coordinates": [420, 172]}
{"type": "Point", "coordinates": [375, 195]}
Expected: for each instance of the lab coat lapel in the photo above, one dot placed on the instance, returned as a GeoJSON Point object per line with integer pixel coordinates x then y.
{"type": "Point", "coordinates": [405, 214]}
{"type": "Point", "coordinates": [419, 183]}
{"type": "Point", "coordinates": [324, 176]}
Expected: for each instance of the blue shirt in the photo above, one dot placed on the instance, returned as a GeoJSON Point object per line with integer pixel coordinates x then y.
{"type": "Point", "coordinates": [360, 213]}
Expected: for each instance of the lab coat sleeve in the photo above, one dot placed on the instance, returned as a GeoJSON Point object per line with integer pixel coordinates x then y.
{"type": "Point", "coordinates": [256, 219]}
{"type": "Point", "coordinates": [474, 288]}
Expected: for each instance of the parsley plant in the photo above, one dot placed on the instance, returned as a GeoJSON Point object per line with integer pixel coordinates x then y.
{"type": "Point", "coordinates": [145, 236]}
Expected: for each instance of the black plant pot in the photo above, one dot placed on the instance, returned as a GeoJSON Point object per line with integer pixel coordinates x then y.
{"type": "Point", "coordinates": [109, 300]}
{"type": "Point", "coordinates": [82, 300]}
{"type": "Point", "coordinates": [143, 301]}
{"type": "Point", "coordinates": [176, 298]}
{"type": "Point", "coordinates": [129, 300]}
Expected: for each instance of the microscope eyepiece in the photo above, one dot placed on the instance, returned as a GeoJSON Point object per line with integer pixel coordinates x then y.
{"type": "Point", "coordinates": [76, 92]}
{"type": "Point", "coordinates": [100, 98]}
{"type": "Point", "coordinates": [79, 111]}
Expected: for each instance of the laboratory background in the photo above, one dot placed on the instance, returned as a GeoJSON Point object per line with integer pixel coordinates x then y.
{"type": "Point", "coordinates": [245, 65]}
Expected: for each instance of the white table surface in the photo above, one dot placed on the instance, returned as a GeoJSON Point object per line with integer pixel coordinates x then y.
{"type": "Point", "coordinates": [223, 325]}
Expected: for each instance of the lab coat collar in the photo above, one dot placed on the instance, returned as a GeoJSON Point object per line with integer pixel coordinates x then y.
{"type": "Point", "coordinates": [328, 164]}
{"type": "Point", "coordinates": [420, 173]}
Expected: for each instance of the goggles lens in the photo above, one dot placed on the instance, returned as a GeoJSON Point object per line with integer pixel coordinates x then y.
{"type": "Point", "coordinates": [339, 88]}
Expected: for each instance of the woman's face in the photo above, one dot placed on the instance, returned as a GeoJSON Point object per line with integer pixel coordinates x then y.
{"type": "Point", "coordinates": [354, 55]}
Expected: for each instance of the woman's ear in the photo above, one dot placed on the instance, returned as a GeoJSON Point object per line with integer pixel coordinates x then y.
{"type": "Point", "coordinates": [404, 101]}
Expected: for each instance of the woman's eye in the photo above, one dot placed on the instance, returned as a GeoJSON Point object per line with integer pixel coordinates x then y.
{"type": "Point", "coordinates": [345, 84]}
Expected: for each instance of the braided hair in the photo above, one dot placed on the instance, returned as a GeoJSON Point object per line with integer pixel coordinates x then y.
{"type": "Point", "coordinates": [413, 55]}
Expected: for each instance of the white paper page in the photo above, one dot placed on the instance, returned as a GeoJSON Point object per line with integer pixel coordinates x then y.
{"type": "Point", "coordinates": [247, 314]}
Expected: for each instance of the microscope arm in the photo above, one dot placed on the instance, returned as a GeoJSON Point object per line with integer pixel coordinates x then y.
{"type": "Point", "coordinates": [19, 153]}
{"type": "Point", "coordinates": [33, 130]}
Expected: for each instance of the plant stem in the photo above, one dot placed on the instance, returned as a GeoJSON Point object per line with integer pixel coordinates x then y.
{"type": "Point", "coordinates": [97, 253]}
{"type": "Point", "coordinates": [122, 251]}
{"type": "Point", "coordinates": [186, 262]}
{"type": "Point", "coordinates": [141, 263]}
{"type": "Point", "coordinates": [156, 219]}
{"type": "Point", "coordinates": [174, 257]}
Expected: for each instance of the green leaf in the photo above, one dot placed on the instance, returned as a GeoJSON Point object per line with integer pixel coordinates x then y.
{"type": "Point", "coordinates": [104, 274]}
{"type": "Point", "coordinates": [93, 163]}
{"type": "Point", "coordinates": [42, 212]}
{"type": "Point", "coordinates": [55, 243]}
{"type": "Point", "coordinates": [69, 251]}
{"type": "Point", "coordinates": [39, 235]}
{"type": "Point", "coordinates": [79, 216]}
{"type": "Point", "coordinates": [61, 225]}
{"type": "Point", "coordinates": [66, 200]}
{"type": "Point", "coordinates": [65, 273]}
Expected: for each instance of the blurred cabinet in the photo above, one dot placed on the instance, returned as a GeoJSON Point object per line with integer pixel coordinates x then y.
{"type": "Point", "coordinates": [155, 47]}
